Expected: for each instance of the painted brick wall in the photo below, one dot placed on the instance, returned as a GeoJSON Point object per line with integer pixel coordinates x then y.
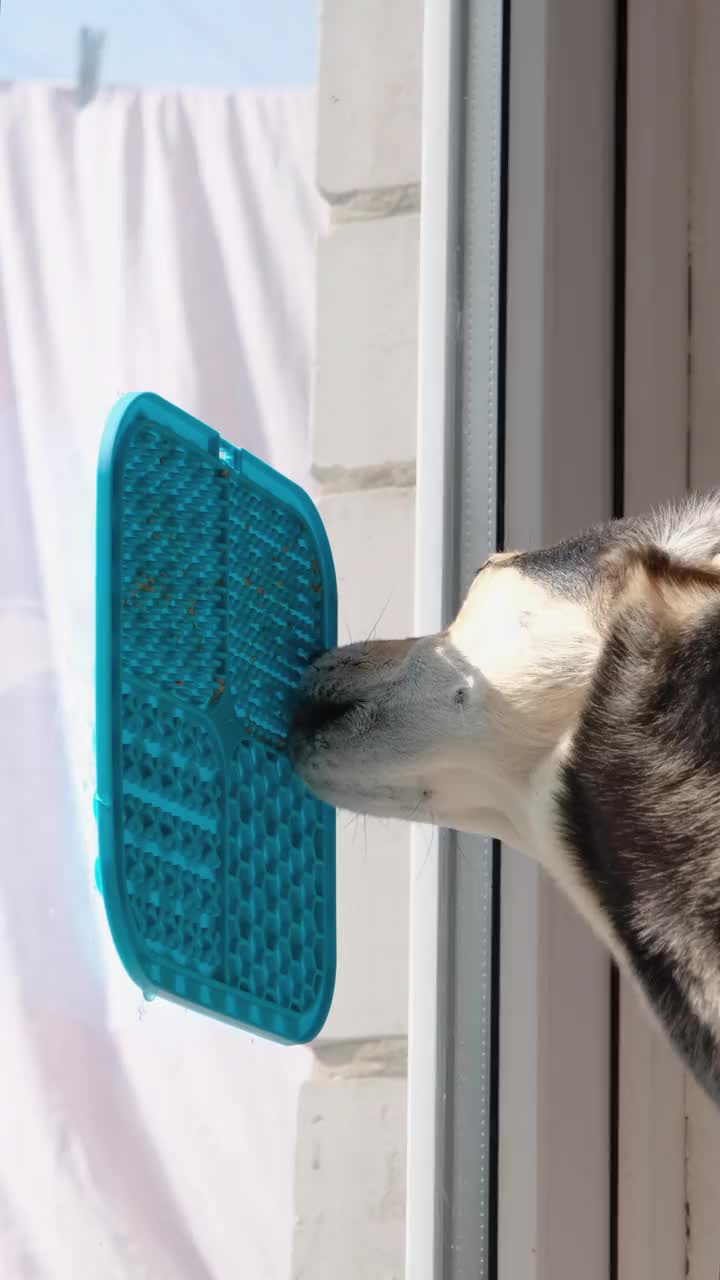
{"type": "Point", "coordinates": [350, 1165]}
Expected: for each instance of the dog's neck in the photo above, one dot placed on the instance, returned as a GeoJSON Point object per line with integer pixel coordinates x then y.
{"type": "Point", "coordinates": [537, 823]}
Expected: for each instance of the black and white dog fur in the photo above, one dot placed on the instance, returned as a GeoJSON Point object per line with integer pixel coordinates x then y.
{"type": "Point", "coordinates": [572, 709]}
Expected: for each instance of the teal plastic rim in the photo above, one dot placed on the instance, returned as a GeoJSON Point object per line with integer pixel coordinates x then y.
{"type": "Point", "coordinates": [256, 903]}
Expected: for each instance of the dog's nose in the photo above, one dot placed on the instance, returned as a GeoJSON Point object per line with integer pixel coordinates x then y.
{"type": "Point", "coordinates": [313, 714]}
{"type": "Point", "coordinates": [316, 656]}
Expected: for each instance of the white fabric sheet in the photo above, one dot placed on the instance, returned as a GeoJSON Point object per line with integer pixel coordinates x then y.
{"type": "Point", "coordinates": [160, 241]}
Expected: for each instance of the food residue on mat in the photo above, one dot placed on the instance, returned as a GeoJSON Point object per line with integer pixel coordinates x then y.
{"type": "Point", "coordinates": [217, 692]}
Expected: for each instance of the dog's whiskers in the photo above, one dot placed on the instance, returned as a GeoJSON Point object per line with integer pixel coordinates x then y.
{"type": "Point", "coordinates": [431, 833]}
{"type": "Point", "coordinates": [409, 817]}
{"type": "Point", "coordinates": [463, 852]}
{"type": "Point", "coordinates": [380, 618]}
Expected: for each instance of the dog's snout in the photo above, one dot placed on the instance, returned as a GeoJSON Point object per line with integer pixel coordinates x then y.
{"type": "Point", "coordinates": [314, 714]}
{"type": "Point", "coordinates": [315, 656]}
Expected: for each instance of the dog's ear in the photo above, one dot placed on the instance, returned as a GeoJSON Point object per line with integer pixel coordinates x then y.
{"type": "Point", "coordinates": [650, 578]}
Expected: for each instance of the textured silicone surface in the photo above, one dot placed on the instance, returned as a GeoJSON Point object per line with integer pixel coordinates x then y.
{"type": "Point", "coordinates": [215, 583]}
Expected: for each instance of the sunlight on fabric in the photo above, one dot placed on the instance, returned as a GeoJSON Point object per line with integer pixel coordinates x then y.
{"type": "Point", "coordinates": [160, 241]}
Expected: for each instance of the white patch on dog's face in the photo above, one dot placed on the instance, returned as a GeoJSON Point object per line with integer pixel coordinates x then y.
{"type": "Point", "coordinates": [452, 728]}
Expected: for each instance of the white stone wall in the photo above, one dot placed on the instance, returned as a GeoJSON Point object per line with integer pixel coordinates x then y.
{"type": "Point", "coordinates": [350, 1165]}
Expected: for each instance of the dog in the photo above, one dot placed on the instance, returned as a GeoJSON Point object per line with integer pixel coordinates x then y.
{"type": "Point", "coordinates": [571, 709]}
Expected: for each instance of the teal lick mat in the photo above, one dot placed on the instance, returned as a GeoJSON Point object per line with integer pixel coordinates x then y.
{"type": "Point", "coordinates": [215, 584]}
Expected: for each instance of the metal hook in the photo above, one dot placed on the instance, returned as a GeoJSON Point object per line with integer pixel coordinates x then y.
{"type": "Point", "coordinates": [91, 43]}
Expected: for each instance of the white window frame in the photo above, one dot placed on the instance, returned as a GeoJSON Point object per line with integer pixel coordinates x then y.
{"type": "Point", "coordinates": [450, 1200]}
{"type": "Point", "coordinates": [554, 1091]}
{"type": "Point", "coordinates": [554, 1217]}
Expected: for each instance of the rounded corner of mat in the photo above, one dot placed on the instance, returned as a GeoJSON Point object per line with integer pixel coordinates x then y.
{"type": "Point", "coordinates": [120, 929]}
{"type": "Point", "coordinates": [312, 1027]}
{"type": "Point", "coordinates": [148, 406]}
{"type": "Point", "coordinates": [124, 414]}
